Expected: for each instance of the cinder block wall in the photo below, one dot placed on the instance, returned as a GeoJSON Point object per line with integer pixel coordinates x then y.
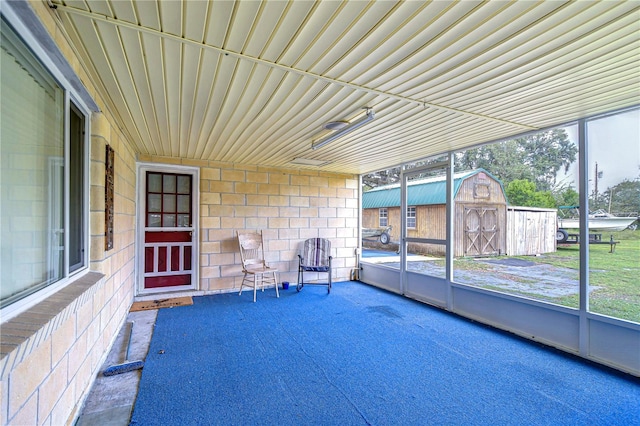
{"type": "Point", "coordinates": [51, 353]}
{"type": "Point", "coordinates": [288, 205]}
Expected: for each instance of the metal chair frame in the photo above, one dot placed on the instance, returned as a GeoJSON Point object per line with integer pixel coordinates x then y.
{"type": "Point", "coordinates": [315, 257]}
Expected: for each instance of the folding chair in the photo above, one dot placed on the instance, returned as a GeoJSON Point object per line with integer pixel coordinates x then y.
{"type": "Point", "coordinates": [256, 271]}
{"type": "Point", "coordinates": [315, 257]}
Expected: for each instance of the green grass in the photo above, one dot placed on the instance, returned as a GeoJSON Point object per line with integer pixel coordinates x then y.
{"type": "Point", "coordinates": [614, 277]}
{"type": "Point", "coordinates": [617, 275]}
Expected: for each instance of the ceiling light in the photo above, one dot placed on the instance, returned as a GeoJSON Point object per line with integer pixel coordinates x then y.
{"type": "Point", "coordinates": [370, 115]}
{"type": "Point", "coordinates": [309, 162]}
{"type": "Point", "coordinates": [336, 125]}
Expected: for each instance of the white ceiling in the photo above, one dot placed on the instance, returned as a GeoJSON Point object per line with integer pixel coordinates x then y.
{"type": "Point", "coordinates": [254, 82]}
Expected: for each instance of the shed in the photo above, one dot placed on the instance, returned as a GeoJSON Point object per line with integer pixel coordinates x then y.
{"type": "Point", "coordinates": [531, 230]}
{"type": "Point", "coordinates": [480, 212]}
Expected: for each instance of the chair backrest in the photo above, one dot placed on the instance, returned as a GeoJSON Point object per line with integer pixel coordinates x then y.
{"type": "Point", "coordinates": [316, 252]}
{"type": "Point", "coordinates": [251, 248]}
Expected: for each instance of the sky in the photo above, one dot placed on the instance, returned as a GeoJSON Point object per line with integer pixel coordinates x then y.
{"type": "Point", "coordinates": [614, 143]}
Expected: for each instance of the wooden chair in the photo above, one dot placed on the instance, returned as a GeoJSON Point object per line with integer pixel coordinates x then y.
{"type": "Point", "coordinates": [256, 271]}
{"type": "Point", "coordinates": [315, 257]}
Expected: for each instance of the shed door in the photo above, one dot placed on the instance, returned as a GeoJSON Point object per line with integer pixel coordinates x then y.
{"type": "Point", "coordinates": [481, 231]}
{"type": "Point", "coordinates": [169, 261]}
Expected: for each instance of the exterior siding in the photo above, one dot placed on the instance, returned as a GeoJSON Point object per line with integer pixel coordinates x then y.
{"type": "Point", "coordinates": [479, 191]}
{"type": "Point", "coordinates": [531, 231]}
{"type": "Point", "coordinates": [430, 222]}
{"type": "Point", "coordinates": [476, 191]}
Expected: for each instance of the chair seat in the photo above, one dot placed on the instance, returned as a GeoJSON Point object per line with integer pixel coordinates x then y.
{"type": "Point", "coordinates": [316, 268]}
{"type": "Point", "coordinates": [259, 269]}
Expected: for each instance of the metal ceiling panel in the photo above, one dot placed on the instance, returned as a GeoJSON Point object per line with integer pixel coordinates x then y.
{"type": "Point", "coordinates": [96, 6]}
{"type": "Point", "coordinates": [171, 16]}
{"type": "Point", "coordinates": [280, 36]}
{"type": "Point", "coordinates": [253, 82]}
{"type": "Point", "coordinates": [241, 24]}
{"type": "Point", "coordinates": [349, 41]}
{"type": "Point", "coordinates": [124, 10]}
{"type": "Point", "coordinates": [266, 21]}
{"type": "Point", "coordinates": [196, 13]}
{"type": "Point", "coordinates": [218, 22]}
{"type": "Point", "coordinates": [147, 14]}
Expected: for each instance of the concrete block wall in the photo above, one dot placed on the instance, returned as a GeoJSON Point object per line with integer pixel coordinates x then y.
{"type": "Point", "coordinates": [288, 205]}
{"type": "Point", "coordinates": [51, 352]}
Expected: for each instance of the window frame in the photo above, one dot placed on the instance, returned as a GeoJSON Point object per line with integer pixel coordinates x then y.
{"type": "Point", "coordinates": [383, 213]}
{"type": "Point", "coordinates": [49, 58]}
{"type": "Point", "coordinates": [413, 217]}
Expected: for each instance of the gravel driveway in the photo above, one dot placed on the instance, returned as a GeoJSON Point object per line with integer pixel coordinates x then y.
{"type": "Point", "coordinates": [512, 275]}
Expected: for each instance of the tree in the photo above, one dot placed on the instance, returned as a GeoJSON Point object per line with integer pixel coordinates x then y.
{"type": "Point", "coordinates": [536, 158]}
{"type": "Point", "coordinates": [381, 178]}
{"type": "Point", "coordinates": [624, 197]}
{"type": "Point", "coordinates": [503, 160]}
{"type": "Point", "coordinates": [522, 192]}
{"type": "Point", "coordinates": [566, 196]}
{"type": "Point", "coordinates": [389, 176]}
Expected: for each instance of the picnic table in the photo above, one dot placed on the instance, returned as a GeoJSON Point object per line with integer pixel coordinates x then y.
{"type": "Point", "coordinates": [593, 239]}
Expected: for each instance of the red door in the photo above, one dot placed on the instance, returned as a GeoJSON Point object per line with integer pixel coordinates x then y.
{"type": "Point", "coordinates": [168, 233]}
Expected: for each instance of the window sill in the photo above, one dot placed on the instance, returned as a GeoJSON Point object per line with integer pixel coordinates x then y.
{"type": "Point", "coordinates": [23, 333]}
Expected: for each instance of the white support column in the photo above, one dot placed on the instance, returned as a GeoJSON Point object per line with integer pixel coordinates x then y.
{"type": "Point", "coordinates": [449, 245]}
{"type": "Point", "coordinates": [583, 185]}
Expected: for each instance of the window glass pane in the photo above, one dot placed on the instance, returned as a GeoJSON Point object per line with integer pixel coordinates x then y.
{"type": "Point", "coordinates": [505, 212]}
{"type": "Point", "coordinates": [411, 217]}
{"type": "Point", "coordinates": [169, 183]}
{"type": "Point", "coordinates": [184, 184]}
{"type": "Point", "coordinates": [154, 180]}
{"type": "Point", "coordinates": [153, 220]}
{"type": "Point", "coordinates": [169, 203]}
{"type": "Point", "coordinates": [184, 220]}
{"type": "Point", "coordinates": [154, 202]}
{"type": "Point", "coordinates": [31, 172]}
{"type": "Point", "coordinates": [76, 189]}
{"type": "Point", "coordinates": [614, 203]}
{"type": "Point", "coordinates": [383, 217]}
{"type": "Point", "coordinates": [184, 203]}
{"type": "Point", "coordinates": [168, 220]}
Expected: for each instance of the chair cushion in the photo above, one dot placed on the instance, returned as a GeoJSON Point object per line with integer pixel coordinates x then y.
{"type": "Point", "coordinates": [316, 254]}
{"type": "Point", "coordinates": [316, 268]}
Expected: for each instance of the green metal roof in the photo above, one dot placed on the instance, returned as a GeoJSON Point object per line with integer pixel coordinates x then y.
{"type": "Point", "coordinates": [421, 192]}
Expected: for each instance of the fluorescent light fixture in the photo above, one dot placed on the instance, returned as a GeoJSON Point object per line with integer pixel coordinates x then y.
{"type": "Point", "coordinates": [336, 125]}
{"type": "Point", "coordinates": [369, 116]}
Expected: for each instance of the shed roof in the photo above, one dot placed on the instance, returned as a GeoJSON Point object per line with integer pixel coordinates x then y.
{"type": "Point", "coordinates": [428, 191]}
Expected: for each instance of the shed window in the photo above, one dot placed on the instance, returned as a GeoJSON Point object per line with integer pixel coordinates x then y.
{"type": "Point", "coordinates": [411, 217]}
{"type": "Point", "coordinates": [383, 217]}
{"type": "Point", "coordinates": [43, 172]}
